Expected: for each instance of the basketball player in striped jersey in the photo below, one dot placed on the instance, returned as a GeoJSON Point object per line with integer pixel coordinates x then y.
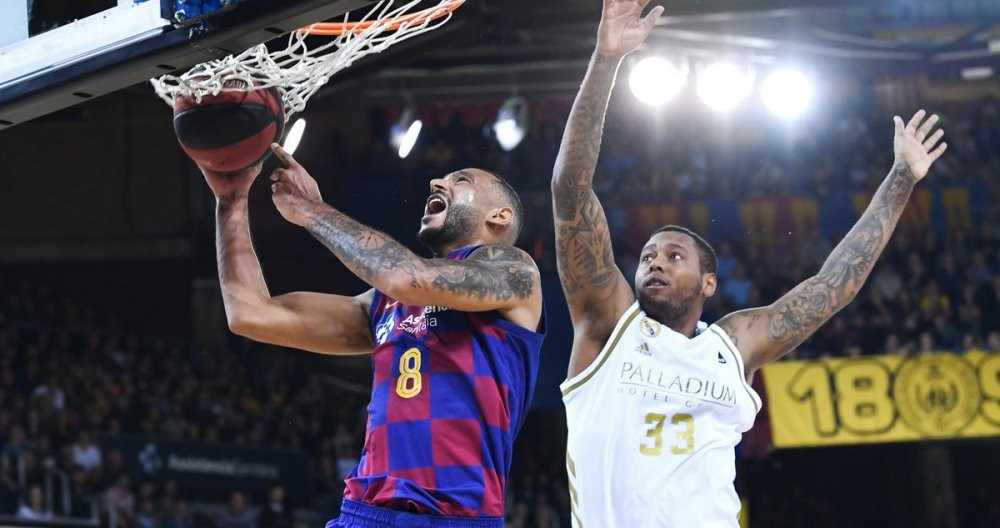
{"type": "Point", "coordinates": [655, 400]}
{"type": "Point", "coordinates": [454, 339]}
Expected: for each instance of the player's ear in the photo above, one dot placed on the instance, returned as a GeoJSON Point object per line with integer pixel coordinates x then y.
{"type": "Point", "coordinates": [500, 217]}
{"type": "Point", "coordinates": [708, 284]}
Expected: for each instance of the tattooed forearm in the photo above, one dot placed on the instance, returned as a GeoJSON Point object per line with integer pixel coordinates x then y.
{"type": "Point", "coordinates": [581, 143]}
{"type": "Point", "coordinates": [583, 242]}
{"type": "Point", "coordinates": [365, 251]}
{"type": "Point", "coordinates": [497, 273]}
{"type": "Point", "coordinates": [764, 334]}
{"type": "Point", "coordinates": [800, 312]}
{"type": "Point", "coordinates": [240, 275]}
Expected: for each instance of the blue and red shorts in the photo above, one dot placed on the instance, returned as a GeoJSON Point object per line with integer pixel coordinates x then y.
{"type": "Point", "coordinates": [358, 515]}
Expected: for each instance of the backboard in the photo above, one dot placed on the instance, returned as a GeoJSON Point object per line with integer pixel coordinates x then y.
{"type": "Point", "coordinates": [131, 42]}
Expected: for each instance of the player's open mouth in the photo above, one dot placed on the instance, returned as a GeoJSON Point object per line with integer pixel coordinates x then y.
{"type": "Point", "coordinates": [655, 282]}
{"type": "Point", "coordinates": [436, 204]}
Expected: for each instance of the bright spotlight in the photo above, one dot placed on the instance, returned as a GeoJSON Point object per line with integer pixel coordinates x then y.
{"type": "Point", "coordinates": [787, 92]}
{"type": "Point", "coordinates": [512, 123]}
{"type": "Point", "coordinates": [723, 86]}
{"type": "Point", "coordinates": [403, 135]}
{"type": "Point", "coordinates": [294, 136]}
{"type": "Point", "coordinates": [410, 138]}
{"type": "Point", "coordinates": [655, 80]}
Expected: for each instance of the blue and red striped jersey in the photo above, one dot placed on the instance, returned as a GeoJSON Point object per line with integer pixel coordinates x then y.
{"type": "Point", "coordinates": [450, 393]}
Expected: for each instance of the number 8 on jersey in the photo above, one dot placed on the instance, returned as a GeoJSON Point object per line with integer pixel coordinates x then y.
{"type": "Point", "coordinates": [409, 382]}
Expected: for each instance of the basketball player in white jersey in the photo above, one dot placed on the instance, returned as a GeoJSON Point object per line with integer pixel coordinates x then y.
{"type": "Point", "coordinates": [655, 400]}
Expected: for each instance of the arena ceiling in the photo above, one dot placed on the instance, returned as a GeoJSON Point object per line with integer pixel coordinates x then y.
{"type": "Point", "coordinates": [530, 44]}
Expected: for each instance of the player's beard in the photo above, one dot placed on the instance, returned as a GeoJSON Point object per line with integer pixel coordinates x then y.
{"type": "Point", "coordinates": [668, 309]}
{"type": "Point", "coordinates": [459, 221]}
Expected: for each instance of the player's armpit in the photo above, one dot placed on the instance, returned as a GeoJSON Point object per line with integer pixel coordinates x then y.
{"type": "Point", "coordinates": [494, 277]}
{"type": "Point", "coordinates": [315, 322]}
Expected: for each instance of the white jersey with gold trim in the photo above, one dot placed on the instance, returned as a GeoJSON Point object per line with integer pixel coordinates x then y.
{"type": "Point", "coordinates": [653, 423]}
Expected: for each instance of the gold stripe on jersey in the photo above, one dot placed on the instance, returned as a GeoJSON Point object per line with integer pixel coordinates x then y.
{"type": "Point", "coordinates": [574, 504]}
{"type": "Point", "coordinates": [739, 365]}
{"type": "Point", "coordinates": [601, 359]}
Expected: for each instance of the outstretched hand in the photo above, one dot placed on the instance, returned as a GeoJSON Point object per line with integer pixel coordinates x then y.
{"type": "Point", "coordinates": [912, 145]}
{"type": "Point", "coordinates": [293, 190]}
{"type": "Point", "coordinates": [623, 28]}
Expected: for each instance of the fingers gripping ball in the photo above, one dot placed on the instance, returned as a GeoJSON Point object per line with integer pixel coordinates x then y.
{"type": "Point", "coordinates": [229, 131]}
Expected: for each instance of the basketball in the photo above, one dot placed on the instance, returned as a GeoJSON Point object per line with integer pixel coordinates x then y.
{"type": "Point", "coordinates": [229, 131]}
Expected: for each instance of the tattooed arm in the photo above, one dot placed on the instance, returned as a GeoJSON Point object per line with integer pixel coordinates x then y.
{"type": "Point", "coordinates": [765, 334]}
{"type": "Point", "coordinates": [595, 289]}
{"type": "Point", "coordinates": [327, 324]}
{"type": "Point", "coordinates": [494, 277]}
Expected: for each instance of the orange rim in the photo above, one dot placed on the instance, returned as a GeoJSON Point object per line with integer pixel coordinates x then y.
{"type": "Point", "coordinates": [334, 29]}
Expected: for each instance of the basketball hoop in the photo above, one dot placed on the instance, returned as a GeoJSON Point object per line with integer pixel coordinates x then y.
{"type": "Point", "coordinates": [297, 71]}
{"type": "Point", "coordinates": [334, 29]}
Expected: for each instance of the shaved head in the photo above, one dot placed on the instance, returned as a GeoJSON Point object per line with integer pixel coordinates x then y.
{"type": "Point", "coordinates": [506, 196]}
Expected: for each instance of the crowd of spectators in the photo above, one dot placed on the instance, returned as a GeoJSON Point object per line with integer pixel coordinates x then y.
{"type": "Point", "coordinates": [67, 375]}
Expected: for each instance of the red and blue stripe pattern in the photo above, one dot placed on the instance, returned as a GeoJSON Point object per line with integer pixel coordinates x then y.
{"type": "Point", "coordinates": [450, 393]}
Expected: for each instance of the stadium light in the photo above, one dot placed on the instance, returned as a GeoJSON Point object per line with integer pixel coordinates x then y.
{"type": "Point", "coordinates": [404, 133]}
{"type": "Point", "coordinates": [655, 80]}
{"type": "Point", "coordinates": [512, 123]}
{"type": "Point", "coordinates": [722, 86]}
{"type": "Point", "coordinates": [977, 73]}
{"type": "Point", "coordinates": [787, 92]}
{"type": "Point", "coordinates": [294, 136]}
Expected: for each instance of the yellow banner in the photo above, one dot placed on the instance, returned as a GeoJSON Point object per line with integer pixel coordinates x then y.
{"type": "Point", "coordinates": [883, 399]}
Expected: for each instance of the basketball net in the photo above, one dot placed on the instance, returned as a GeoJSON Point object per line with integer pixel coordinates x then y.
{"type": "Point", "coordinates": [297, 71]}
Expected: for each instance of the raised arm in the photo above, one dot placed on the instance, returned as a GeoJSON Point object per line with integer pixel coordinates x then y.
{"type": "Point", "coordinates": [494, 277]}
{"type": "Point", "coordinates": [767, 333]}
{"type": "Point", "coordinates": [595, 289]}
{"type": "Point", "coordinates": [327, 324]}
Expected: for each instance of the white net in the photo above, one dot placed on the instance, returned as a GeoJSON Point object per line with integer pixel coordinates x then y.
{"type": "Point", "coordinates": [298, 71]}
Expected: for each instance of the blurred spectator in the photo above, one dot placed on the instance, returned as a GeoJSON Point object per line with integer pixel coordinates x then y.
{"type": "Point", "coordinates": [979, 273]}
{"type": "Point", "coordinates": [179, 516]}
{"type": "Point", "coordinates": [933, 302]}
{"type": "Point", "coordinates": [988, 298]}
{"type": "Point", "coordinates": [237, 514]}
{"type": "Point", "coordinates": [86, 455]}
{"type": "Point", "coordinates": [814, 250]}
{"type": "Point", "coordinates": [275, 513]}
{"type": "Point", "coordinates": [948, 276]}
{"type": "Point", "coordinates": [737, 288]}
{"type": "Point", "coordinates": [726, 261]}
{"type": "Point", "coordinates": [887, 284]}
{"type": "Point", "coordinates": [120, 499]}
{"type": "Point", "coordinates": [33, 508]}
{"type": "Point", "coordinates": [146, 518]}
{"type": "Point", "coordinates": [51, 393]}
{"type": "Point", "coordinates": [168, 498]}
{"type": "Point", "coordinates": [114, 465]}
{"type": "Point", "coordinates": [17, 444]}
{"type": "Point", "coordinates": [8, 487]}
{"type": "Point", "coordinates": [80, 495]}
